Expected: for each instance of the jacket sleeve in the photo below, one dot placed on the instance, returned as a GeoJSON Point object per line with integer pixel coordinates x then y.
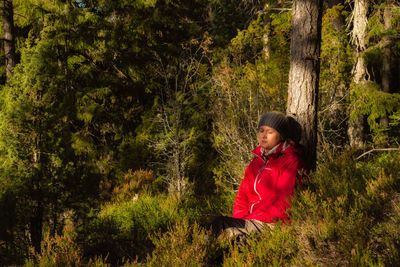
{"type": "Point", "coordinates": [284, 191]}
{"type": "Point", "coordinates": [241, 204]}
{"type": "Point", "coordinates": [285, 187]}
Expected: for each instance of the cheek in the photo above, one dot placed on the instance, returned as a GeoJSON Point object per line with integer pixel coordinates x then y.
{"type": "Point", "coordinates": [277, 138]}
{"type": "Point", "coordinates": [259, 136]}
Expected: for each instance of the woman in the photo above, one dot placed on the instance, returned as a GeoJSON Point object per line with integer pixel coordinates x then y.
{"type": "Point", "coordinates": [266, 190]}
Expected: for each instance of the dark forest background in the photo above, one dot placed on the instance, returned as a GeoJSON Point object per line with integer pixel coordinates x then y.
{"type": "Point", "coordinates": [124, 124]}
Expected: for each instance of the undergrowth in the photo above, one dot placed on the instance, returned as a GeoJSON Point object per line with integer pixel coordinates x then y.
{"type": "Point", "coordinates": [346, 214]}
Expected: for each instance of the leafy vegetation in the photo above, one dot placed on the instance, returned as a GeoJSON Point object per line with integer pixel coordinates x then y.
{"type": "Point", "coordinates": [127, 124]}
{"type": "Point", "coordinates": [346, 213]}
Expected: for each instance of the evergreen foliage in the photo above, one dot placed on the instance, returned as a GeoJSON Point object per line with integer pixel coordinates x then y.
{"type": "Point", "coordinates": [335, 78]}
{"type": "Point", "coordinates": [126, 124]}
{"type": "Point", "coordinates": [374, 103]}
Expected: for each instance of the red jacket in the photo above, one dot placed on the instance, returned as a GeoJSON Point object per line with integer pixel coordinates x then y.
{"type": "Point", "coordinates": [268, 184]}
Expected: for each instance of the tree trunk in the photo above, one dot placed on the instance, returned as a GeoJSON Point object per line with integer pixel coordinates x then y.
{"type": "Point", "coordinates": [38, 206]}
{"type": "Point", "coordinates": [387, 55]}
{"type": "Point", "coordinates": [266, 48]}
{"type": "Point", "coordinates": [304, 73]}
{"type": "Point", "coordinates": [36, 225]}
{"type": "Point", "coordinates": [9, 43]}
{"type": "Point", "coordinates": [355, 129]}
{"type": "Point", "coordinates": [332, 3]}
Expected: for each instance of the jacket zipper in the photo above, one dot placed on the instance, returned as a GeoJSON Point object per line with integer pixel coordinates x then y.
{"type": "Point", "coordinates": [255, 184]}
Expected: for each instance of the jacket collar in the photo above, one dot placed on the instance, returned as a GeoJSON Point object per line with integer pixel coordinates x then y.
{"type": "Point", "coordinates": [275, 152]}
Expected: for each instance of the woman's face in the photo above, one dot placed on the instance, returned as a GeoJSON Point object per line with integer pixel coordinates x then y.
{"type": "Point", "coordinates": [268, 137]}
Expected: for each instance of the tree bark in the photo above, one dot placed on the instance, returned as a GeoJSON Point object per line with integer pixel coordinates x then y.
{"type": "Point", "coordinates": [266, 48]}
{"type": "Point", "coordinates": [332, 3]}
{"type": "Point", "coordinates": [355, 129]}
{"type": "Point", "coordinates": [36, 225]}
{"type": "Point", "coordinates": [387, 55]}
{"type": "Point", "coordinates": [9, 43]}
{"type": "Point", "coordinates": [304, 73]}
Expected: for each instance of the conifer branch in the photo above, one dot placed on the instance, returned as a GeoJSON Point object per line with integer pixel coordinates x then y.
{"type": "Point", "coordinates": [273, 9]}
{"type": "Point", "coordinates": [378, 149]}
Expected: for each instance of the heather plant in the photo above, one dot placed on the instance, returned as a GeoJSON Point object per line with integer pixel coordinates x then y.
{"type": "Point", "coordinates": [183, 245]}
{"type": "Point", "coordinates": [272, 247]}
{"type": "Point", "coordinates": [131, 184]}
{"type": "Point", "coordinates": [345, 215]}
{"type": "Point", "coordinates": [98, 261]}
{"type": "Point", "coordinates": [343, 201]}
{"type": "Point", "coordinates": [60, 250]}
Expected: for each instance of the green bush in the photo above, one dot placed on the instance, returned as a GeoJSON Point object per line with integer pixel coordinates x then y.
{"type": "Point", "coordinates": [346, 214]}
{"type": "Point", "coordinates": [129, 230]}
{"type": "Point", "coordinates": [121, 230]}
{"type": "Point", "coordinates": [184, 244]}
{"type": "Point", "coordinates": [275, 247]}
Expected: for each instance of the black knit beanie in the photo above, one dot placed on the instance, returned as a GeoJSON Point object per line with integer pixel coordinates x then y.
{"type": "Point", "coordinates": [276, 120]}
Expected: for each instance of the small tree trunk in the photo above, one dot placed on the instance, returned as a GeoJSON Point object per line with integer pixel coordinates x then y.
{"type": "Point", "coordinates": [304, 72]}
{"type": "Point", "coordinates": [266, 48]}
{"type": "Point", "coordinates": [387, 55]}
{"type": "Point", "coordinates": [9, 43]}
{"type": "Point", "coordinates": [332, 3]}
{"type": "Point", "coordinates": [38, 206]}
{"type": "Point", "coordinates": [396, 73]}
{"type": "Point", "coordinates": [355, 129]}
{"type": "Point", "coordinates": [36, 226]}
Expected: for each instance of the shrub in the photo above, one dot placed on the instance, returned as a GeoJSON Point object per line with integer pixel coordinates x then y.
{"type": "Point", "coordinates": [60, 250]}
{"type": "Point", "coordinates": [184, 244]}
{"type": "Point", "coordinates": [130, 230]}
{"type": "Point", "coordinates": [347, 214]}
{"type": "Point", "coordinates": [132, 182]}
{"type": "Point", "coordinates": [275, 247]}
{"type": "Point", "coordinates": [121, 230]}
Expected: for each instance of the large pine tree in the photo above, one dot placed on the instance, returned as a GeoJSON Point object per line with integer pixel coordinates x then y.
{"type": "Point", "coordinates": [356, 131]}
{"type": "Point", "coordinates": [304, 72]}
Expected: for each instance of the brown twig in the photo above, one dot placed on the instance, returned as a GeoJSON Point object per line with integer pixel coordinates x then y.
{"type": "Point", "coordinates": [378, 149]}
